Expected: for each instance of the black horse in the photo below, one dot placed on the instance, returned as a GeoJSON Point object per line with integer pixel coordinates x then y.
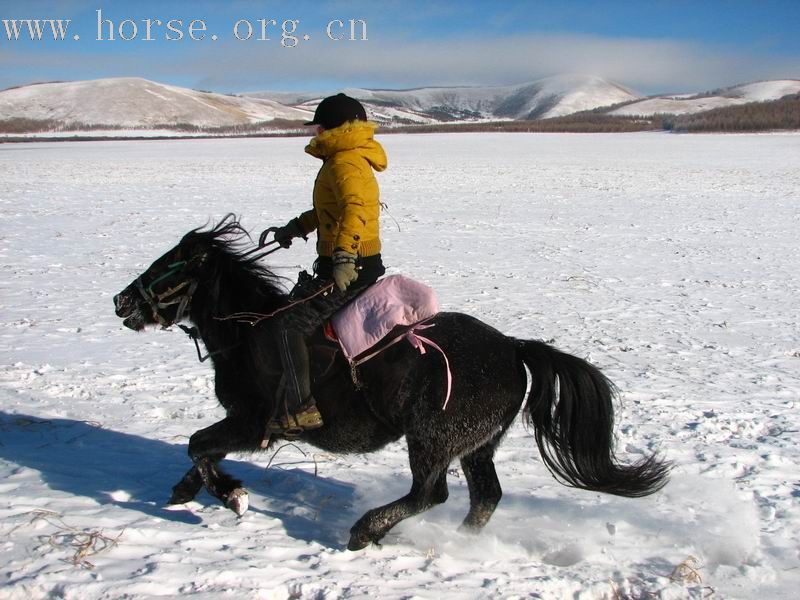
{"type": "Point", "coordinates": [401, 392]}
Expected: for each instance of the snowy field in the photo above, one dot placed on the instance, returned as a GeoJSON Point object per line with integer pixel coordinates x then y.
{"type": "Point", "coordinates": [671, 262]}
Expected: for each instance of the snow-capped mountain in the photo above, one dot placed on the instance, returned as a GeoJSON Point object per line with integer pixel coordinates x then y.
{"type": "Point", "coordinates": [136, 102]}
{"type": "Point", "coordinates": [549, 97]}
{"type": "Point", "coordinates": [680, 104]}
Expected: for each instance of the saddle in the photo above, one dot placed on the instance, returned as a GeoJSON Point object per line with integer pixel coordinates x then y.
{"type": "Point", "coordinates": [390, 310]}
{"type": "Point", "coordinates": [391, 302]}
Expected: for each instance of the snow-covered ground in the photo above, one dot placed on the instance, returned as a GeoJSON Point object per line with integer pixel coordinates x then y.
{"type": "Point", "coordinates": [669, 261]}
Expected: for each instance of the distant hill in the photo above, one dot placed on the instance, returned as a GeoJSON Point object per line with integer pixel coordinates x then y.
{"type": "Point", "coordinates": [682, 104]}
{"type": "Point", "coordinates": [770, 115]}
{"type": "Point", "coordinates": [131, 106]}
{"type": "Point", "coordinates": [545, 98]}
{"type": "Point", "coordinates": [137, 103]}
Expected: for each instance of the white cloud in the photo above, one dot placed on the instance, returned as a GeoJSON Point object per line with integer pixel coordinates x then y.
{"type": "Point", "coordinates": [647, 65]}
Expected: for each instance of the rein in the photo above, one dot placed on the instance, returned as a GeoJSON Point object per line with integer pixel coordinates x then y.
{"type": "Point", "coordinates": [266, 253]}
{"type": "Point", "coordinates": [194, 334]}
{"type": "Point", "coordinates": [254, 318]}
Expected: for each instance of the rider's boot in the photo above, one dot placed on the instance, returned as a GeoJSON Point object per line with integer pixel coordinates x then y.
{"type": "Point", "coordinates": [297, 411]}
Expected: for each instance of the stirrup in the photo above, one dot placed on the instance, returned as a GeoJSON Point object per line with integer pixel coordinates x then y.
{"type": "Point", "coordinates": [292, 426]}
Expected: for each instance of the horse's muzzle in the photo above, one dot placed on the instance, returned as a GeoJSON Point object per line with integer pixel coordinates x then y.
{"type": "Point", "coordinates": [122, 307]}
{"type": "Point", "coordinates": [127, 307]}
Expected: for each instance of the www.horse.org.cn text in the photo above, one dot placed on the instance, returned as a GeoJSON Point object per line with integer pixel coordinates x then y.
{"type": "Point", "coordinates": [288, 33]}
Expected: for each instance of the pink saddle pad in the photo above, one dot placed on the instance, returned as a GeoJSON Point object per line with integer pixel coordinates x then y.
{"type": "Point", "coordinates": [391, 301]}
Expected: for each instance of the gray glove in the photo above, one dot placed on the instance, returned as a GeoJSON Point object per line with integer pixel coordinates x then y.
{"type": "Point", "coordinates": [344, 269]}
{"type": "Point", "coordinates": [283, 235]}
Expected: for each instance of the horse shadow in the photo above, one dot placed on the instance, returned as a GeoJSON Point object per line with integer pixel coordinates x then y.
{"type": "Point", "coordinates": [135, 473]}
{"type": "Point", "coordinates": [117, 468]}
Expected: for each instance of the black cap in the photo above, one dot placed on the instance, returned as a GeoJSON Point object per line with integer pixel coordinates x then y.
{"type": "Point", "coordinates": [336, 110]}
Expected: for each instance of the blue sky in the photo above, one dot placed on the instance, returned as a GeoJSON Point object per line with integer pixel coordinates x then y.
{"type": "Point", "coordinates": [652, 47]}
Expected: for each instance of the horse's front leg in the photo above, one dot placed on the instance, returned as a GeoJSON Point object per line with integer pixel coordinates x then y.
{"type": "Point", "coordinates": [206, 448]}
{"type": "Point", "coordinates": [188, 487]}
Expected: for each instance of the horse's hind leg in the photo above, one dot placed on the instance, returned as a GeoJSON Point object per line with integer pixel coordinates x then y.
{"type": "Point", "coordinates": [484, 487]}
{"type": "Point", "coordinates": [429, 488]}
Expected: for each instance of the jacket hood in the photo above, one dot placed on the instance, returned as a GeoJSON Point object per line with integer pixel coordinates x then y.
{"type": "Point", "coordinates": [353, 135]}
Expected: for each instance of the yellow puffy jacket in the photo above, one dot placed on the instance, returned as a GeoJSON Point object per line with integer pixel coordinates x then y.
{"type": "Point", "coordinates": [346, 196]}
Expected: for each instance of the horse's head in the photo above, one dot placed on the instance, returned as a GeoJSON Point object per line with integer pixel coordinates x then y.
{"type": "Point", "coordinates": [163, 293]}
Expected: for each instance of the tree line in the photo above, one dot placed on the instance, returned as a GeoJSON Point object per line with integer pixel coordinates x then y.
{"type": "Point", "coordinates": [754, 116]}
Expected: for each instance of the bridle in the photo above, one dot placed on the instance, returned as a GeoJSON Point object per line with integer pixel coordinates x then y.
{"type": "Point", "coordinates": [180, 294]}
{"type": "Point", "coordinates": [171, 297]}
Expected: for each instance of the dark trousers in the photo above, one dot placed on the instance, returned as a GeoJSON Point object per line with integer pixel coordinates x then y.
{"type": "Point", "coordinates": [299, 322]}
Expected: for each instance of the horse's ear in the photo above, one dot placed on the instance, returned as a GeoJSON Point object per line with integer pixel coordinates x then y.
{"type": "Point", "coordinates": [194, 243]}
{"type": "Point", "coordinates": [187, 242]}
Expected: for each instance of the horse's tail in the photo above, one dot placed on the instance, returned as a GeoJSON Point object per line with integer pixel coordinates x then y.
{"type": "Point", "coordinates": [570, 409]}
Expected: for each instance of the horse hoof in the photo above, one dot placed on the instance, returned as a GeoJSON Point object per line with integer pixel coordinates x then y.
{"type": "Point", "coordinates": [354, 544]}
{"type": "Point", "coordinates": [358, 542]}
{"type": "Point", "coordinates": [238, 501]}
{"type": "Point", "coordinates": [179, 497]}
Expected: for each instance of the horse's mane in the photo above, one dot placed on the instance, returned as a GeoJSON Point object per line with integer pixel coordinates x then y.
{"type": "Point", "coordinates": [224, 242]}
